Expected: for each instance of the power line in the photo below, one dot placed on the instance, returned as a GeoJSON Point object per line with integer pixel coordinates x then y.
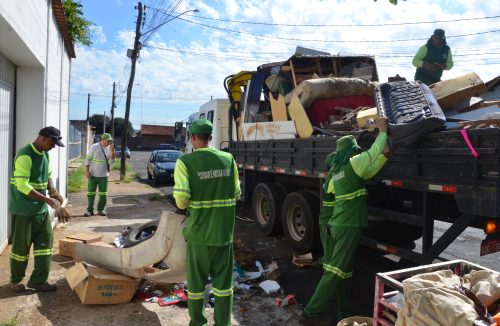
{"type": "Point", "coordinates": [260, 36]}
{"type": "Point", "coordinates": [342, 25]}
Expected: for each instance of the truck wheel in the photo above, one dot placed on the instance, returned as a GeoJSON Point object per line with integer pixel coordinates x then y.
{"type": "Point", "coordinates": [300, 221]}
{"type": "Point", "coordinates": [150, 177]}
{"type": "Point", "coordinates": [267, 199]}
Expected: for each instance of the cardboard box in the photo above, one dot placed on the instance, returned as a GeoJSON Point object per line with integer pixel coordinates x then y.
{"type": "Point", "coordinates": [67, 245]}
{"type": "Point", "coordinates": [102, 244]}
{"type": "Point", "coordinates": [95, 285]}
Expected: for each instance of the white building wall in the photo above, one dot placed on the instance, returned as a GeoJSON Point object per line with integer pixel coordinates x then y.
{"type": "Point", "coordinates": [28, 34]}
{"type": "Point", "coordinates": [31, 39]}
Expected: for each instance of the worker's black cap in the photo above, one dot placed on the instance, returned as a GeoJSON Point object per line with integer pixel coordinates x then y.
{"type": "Point", "coordinates": [53, 133]}
{"type": "Point", "coordinates": [439, 33]}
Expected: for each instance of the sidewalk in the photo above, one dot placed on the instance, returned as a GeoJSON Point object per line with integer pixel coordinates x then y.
{"type": "Point", "coordinates": [129, 204]}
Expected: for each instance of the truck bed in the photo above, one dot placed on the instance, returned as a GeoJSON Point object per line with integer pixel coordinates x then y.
{"type": "Point", "coordinates": [440, 162]}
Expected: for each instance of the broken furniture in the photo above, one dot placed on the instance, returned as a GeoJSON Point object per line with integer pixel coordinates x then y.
{"type": "Point", "coordinates": [411, 111]}
{"type": "Point", "coordinates": [167, 245]}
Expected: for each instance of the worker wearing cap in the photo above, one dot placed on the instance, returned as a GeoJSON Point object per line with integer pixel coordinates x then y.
{"type": "Point", "coordinates": [432, 58]}
{"type": "Point", "coordinates": [349, 169]}
{"type": "Point", "coordinates": [31, 224]}
{"type": "Point", "coordinates": [99, 158]}
{"type": "Point", "coordinates": [207, 184]}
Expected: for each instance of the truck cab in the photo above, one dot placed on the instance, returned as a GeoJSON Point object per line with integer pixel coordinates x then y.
{"type": "Point", "coordinates": [217, 112]}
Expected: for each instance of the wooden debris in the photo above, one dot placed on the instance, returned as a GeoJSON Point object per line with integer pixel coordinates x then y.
{"type": "Point", "coordinates": [451, 91]}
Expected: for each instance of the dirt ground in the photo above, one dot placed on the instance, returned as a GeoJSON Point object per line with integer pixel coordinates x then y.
{"type": "Point", "coordinates": [129, 204]}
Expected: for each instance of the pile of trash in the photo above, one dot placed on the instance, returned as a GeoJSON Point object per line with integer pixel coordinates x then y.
{"type": "Point", "coordinates": [251, 278]}
{"type": "Point", "coordinates": [163, 294]}
{"type": "Point", "coordinates": [255, 278]}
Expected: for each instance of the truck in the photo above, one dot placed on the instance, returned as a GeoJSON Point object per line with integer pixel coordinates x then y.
{"type": "Point", "coordinates": [435, 179]}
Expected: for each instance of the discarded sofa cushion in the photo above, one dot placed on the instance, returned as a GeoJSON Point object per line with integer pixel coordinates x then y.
{"type": "Point", "coordinates": [321, 109]}
{"type": "Point", "coordinates": [411, 110]}
{"type": "Point", "coordinates": [310, 90]}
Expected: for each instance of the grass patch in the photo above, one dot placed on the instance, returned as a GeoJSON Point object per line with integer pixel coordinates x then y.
{"type": "Point", "coordinates": [9, 323]}
{"type": "Point", "coordinates": [155, 197]}
{"type": "Point", "coordinates": [76, 179]}
{"type": "Point", "coordinates": [130, 174]}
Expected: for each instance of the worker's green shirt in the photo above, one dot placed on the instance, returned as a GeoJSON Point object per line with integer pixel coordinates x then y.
{"type": "Point", "coordinates": [206, 182]}
{"type": "Point", "coordinates": [349, 185]}
{"type": "Point", "coordinates": [31, 171]}
{"type": "Point", "coordinates": [430, 53]}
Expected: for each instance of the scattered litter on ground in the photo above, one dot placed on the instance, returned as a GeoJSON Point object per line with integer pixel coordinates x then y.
{"type": "Point", "coordinates": [270, 287]}
{"type": "Point", "coordinates": [303, 260]}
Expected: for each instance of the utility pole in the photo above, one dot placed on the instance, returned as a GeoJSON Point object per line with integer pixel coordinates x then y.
{"type": "Point", "coordinates": [88, 106]}
{"type": "Point", "coordinates": [104, 122]}
{"type": "Point", "coordinates": [87, 132]}
{"type": "Point", "coordinates": [135, 54]}
{"type": "Point", "coordinates": [113, 113]}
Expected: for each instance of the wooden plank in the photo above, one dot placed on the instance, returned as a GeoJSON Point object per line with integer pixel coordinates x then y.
{"type": "Point", "coordinates": [318, 66]}
{"type": "Point", "coordinates": [293, 74]}
{"type": "Point", "coordinates": [298, 114]}
{"type": "Point", "coordinates": [335, 70]}
{"type": "Point", "coordinates": [451, 91]}
{"type": "Point", "coordinates": [278, 107]}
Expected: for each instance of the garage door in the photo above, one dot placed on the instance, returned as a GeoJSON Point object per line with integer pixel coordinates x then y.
{"type": "Point", "coordinates": [7, 84]}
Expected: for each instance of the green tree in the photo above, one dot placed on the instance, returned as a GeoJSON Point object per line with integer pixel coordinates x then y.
{"type": "Point", "coordinates": [79, 28]}
{"type": "Point", "coordinates": [119, 126]}
{"type": "Point", "coordinates": [96, 121]}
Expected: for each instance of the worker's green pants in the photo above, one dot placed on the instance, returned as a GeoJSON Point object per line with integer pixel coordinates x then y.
{"type": "Point", "coordinates": [102, 183]}
{"type": "Point", "coordinates": [340, 248]}
{"type": "Point", "coordinates": [217, 262]}
{"type": "Point", "coordinates": [325, 214]}
{"type": "Point", "coordinates": [36, 229]}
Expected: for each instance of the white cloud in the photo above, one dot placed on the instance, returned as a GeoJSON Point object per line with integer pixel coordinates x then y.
{"type": "Point", "coordinates": [99, 36]}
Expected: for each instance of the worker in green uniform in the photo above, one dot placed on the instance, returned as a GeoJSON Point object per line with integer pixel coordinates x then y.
{"type": "Point", "coordinates": [350, 169]}
{"type": "Point", "coordinates": [432, 58]}
{"type": "Point", "coordinates": [327, 206]}
{"type": "Point", "coordinates": [99, 158]}
{"type": "Point", "coordinates": [207, 184]}
{"type": "Point", "coordinates": [31, 224]}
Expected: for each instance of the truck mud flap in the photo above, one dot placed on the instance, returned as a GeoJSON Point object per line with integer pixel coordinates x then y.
{"type": "Point", "coordinates": [411, 110]}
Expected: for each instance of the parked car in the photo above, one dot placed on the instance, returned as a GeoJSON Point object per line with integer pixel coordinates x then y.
{"type": "Point", "coordinates": [161, 165]}
{"type": "Point", "coordinates": [118, 151]}
{"type": "Point", "coordinates": [169, 147]}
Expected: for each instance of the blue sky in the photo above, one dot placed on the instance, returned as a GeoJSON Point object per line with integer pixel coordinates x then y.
{"type": "Point", "coordinates": [183, 64]}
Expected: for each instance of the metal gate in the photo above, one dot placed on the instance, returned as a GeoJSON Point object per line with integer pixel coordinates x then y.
{"type": "Point", "coordinates": [7, 84]}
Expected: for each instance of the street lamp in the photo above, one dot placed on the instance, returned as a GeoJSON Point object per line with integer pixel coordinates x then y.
{"type": "Point", "coordinates": [182, 13]}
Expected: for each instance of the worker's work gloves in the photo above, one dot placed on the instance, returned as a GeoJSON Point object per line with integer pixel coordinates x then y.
{"type": "Point", "coordinates": [57, 196]}
{"type": "Point", "coordinates": [381, 124]}
{"type": "Point", "coordinates": [61, 213]}
{"type": "Point", "coordinates": [434, 66]}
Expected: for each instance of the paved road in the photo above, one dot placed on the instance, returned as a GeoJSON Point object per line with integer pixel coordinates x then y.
{"type": "Point", "coordinates": [301, 281]}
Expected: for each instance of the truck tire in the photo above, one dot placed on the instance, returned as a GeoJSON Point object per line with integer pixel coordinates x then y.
{"type": "Point", "coordinates": [300, 221]}
{"type": "Point", "coordinates": [135, 236]}
{"type": "Point", "coordinates": [267, 199]}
